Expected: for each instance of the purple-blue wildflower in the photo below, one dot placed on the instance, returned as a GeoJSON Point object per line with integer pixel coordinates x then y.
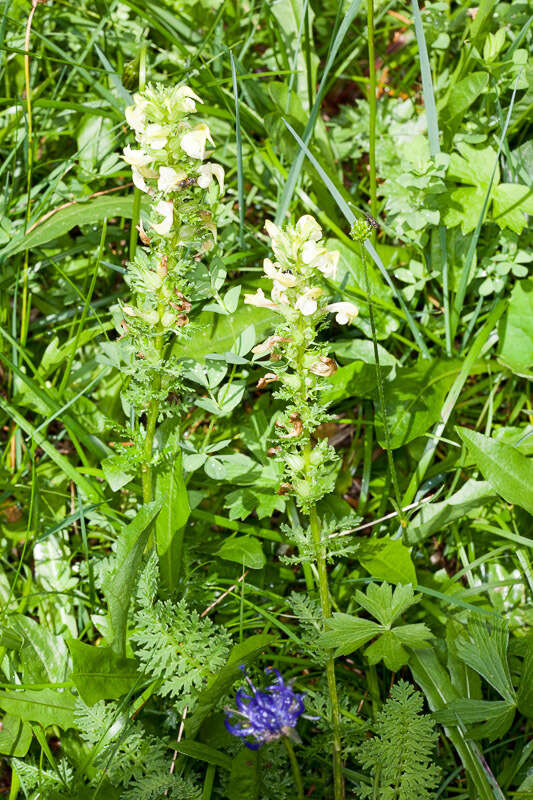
{"type": "Point", "coordinates": [266, 715]}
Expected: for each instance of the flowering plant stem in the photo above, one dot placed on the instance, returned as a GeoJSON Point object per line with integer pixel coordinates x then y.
{"type": "Point", "coordinates": [381, 393]}
{"type": "Point", "coordinates": [295, 769]}
{"type": "Point", "coordinates": [372, 108]}
{"type": "Point", "coordinates": [325, 605]}
{"type": "Point", "coordinates": [151, 423]}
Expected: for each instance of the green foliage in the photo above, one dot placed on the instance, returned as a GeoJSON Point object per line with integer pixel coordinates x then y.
{"type": "Point", "coordinates": [176, 647]}
{"type": "Point", "coordinates": [146, 409]}
{"type": "Point", "coordinates": [347, 633]}
{"type": "Point", "coordinates": [399, 754]}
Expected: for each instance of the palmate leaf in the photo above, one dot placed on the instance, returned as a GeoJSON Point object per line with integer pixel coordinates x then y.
{"type": "Point", "coordinates": [384, 604]}
{"type": "Point", "coordinates": [347, 633]}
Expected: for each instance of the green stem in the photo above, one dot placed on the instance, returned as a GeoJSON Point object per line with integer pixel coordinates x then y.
{"type": "Point", "coordinates": [372, 109]}
{"type": "Point", "coordinates": [151, 422]}
{"type": "Point", "coordinates": [381, 393]}
{"type": "Point", "coordinates": [295, 769]}
{"type": "Point", "coordinates": [320, 555]}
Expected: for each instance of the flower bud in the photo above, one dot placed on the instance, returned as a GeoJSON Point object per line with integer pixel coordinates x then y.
{"type": "Point", "coordinates": [324, 367]}
{"type": "Point", "coordinates": [269, 377]}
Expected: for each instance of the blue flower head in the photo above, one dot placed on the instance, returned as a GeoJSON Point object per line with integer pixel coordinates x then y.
{"type": "Point", "coordinates": [267, 715]}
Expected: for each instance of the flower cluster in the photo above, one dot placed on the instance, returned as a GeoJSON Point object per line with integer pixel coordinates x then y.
{"type": "Point", "coordinates": [299, 365]}
{"type": "Point", "coordinates": [168, 165]}
{"type": "Point", "coordinates": [177, 228]}
{"type": "Point", "coordinates": [265, 716]}
{"type": "Point", "coordinates": [301, 258]}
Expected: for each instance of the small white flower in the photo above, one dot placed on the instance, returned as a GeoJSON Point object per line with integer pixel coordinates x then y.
{"type": "Point", "coordinates": [272, 230]}
{"type": "Point", "coordinates": [258, 299]}
{"type": "Point", "coordinates": [207, 172]}
{"type": "Point", "coordinates": [136, 158]}
{"type": "Point", "coordinates": [345, 312]}
{"type": "Point", "coordinates": [187, 97]}
{"type": "Point", "coordinates": [278, 294]}
{"type": "Point", "coordinates": [308, 228]}
{"type": "Point", "coordinates": [154, 136]}
{"type": "Point", "coordinates": [307, 303]}
{"type": "Point", "coordinates": [139, 181]}
{"type": "Point", "coordinates": [322, 259]}
{"type": "Point", "coordinates": [286, 279]}
{"type": "Point", "coordinates": [166, 209]}
{"type": "Point", "coordinates": [194, 141]}
{"type": "Point", "coordinates": [169, 179]}
{"type": "Point", "coordinates": [135, 117]}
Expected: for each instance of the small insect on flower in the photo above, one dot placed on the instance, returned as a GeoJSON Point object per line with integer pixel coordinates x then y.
{"type": "Point", "coordinates": [266, 716]}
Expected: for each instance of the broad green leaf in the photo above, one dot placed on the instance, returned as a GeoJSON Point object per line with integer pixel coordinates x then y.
{"type": "Point", "coordinates": [218, 334]}
{"type": "Point", "coordinates": [414, 400]}
{"type": "Point", "coordinates": [203, 752]}
{"type": "Point", "coordinates": [354, 380]}
{"type": "Point", "coordinates": [245, 778]}
{"type": "Point", "coordinates": [241, 654]}
{"type": "Point", "coordinates": [118, 471]}
{"type": "Point", "coordinates": [15, 736]}
{"type": "Point", "coordinates": [434, 517]}
{"type": "Point", "coordinates": [61, 222]}
{"type": "Point", "coordinates": [119, 589]}
{"type": "Point", "coordinates": [485, 651]}
{"type": "Point", "coordinates": [473, 166]}
{"type": "Point", "coordinates": [512, 202]}
{"type": "Point", "coordinates": [508, 471]}
{"type": "Point", "coordinates": [99, 673]}
{"type": "Point", "coordinates": [245, 550]}
{"type": "Point", "coordinates": [170, 488]}
{"type": "Point", "coordinates": [387, 559]}
{"type": "Point", "coordinates": [346, 633]}
{"type": "Point", "coordinates": [496, 717]}
{"type": "Point", "coordinates": [464, 93]}
{"type": "Point", "coordinates": [44, 656]}
{"type": "Point", "coordinates": [44, 706]}
{"type": "Point", "coordinates": [362, 350]}
{"type": "Point", "coordinates": [515, 331]}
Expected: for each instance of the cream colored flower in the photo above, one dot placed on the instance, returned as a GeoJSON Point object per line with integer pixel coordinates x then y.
{"type": "Point", "coordinates": [258, 299]}
{"type": "Point", "coordinates": [285, 279]}
{"type": "Point", "coordinates": [307, 303]}
{"type": "Point", "coordinates": [135, 117]}
{"type": "Point", "coordinates": [272, 230]}
{"type": "Point", "coordinates": [166, 209]}
{"type": "Point", "coordinates": [345, 312]}
{"type": "Point", "coordinates": [207, 172]}
{"type": "Point", "coordinates": [136, 158]}
{"type": "Point", "coordinates": [154, 136]}
{"type": "Point", "coordinates": [315, 256]}
{"type": "Point", "coordinates": [308, 228]}
{"type": "Point", "coordinates": [169, 179]}
{"type": "Point", "coordinates": [139, 181]}
{"type": "Point", "coordinates": [186, 97]}
{"type": "Point", "coordinates": [278, 295]}
{"type": "Point", "coordinates": [194, 141]}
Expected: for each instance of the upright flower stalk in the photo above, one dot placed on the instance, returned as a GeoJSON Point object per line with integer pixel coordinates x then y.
{"type": "Point", "coordinates": [299, 366]}
{"type": "Point", "coordinates": [168, 165]}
